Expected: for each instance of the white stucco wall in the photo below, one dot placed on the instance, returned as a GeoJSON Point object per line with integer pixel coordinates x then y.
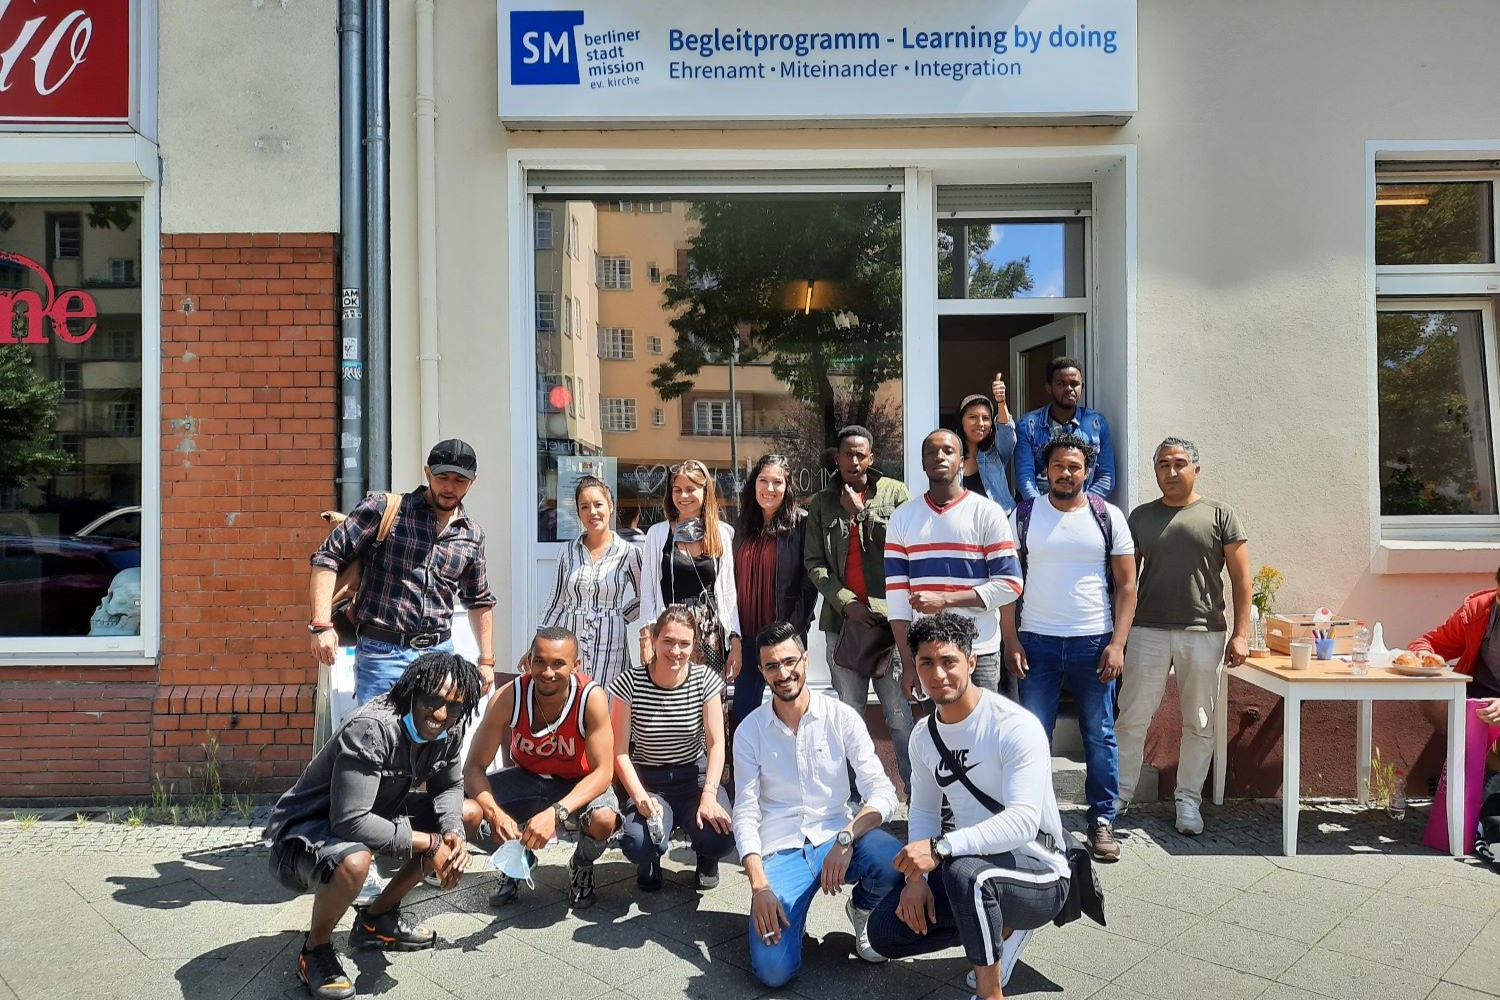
{"type": "Point", "coordinates": [249, 116]}
{"type": "Point", "coordinates": [1251, 300]}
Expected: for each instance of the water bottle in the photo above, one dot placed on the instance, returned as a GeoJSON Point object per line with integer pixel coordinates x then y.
{"type": "Point", "coordinates": [1359, 656]}
{"type": "Point", "coordinates": [656, 827]}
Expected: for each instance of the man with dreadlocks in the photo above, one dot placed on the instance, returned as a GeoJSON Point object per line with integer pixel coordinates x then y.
{"type": "Point", "coordinates": [554, 723]}
{"type": "Point", "coordinates": [355, 800]}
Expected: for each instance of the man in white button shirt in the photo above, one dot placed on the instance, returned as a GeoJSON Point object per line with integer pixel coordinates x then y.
{"type": "Point", "coordinates": [793, 823]}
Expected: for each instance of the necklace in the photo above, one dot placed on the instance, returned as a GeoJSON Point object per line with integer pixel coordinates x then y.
{"type": "Point", "coordinates": [533, 714]}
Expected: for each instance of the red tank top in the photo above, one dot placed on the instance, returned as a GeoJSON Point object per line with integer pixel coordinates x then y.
{"type": "Point", "coordinates": [555, 750]}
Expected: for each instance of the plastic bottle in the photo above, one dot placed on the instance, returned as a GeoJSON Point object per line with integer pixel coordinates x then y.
{"type": "Point", "coordinates": [1359, 655]}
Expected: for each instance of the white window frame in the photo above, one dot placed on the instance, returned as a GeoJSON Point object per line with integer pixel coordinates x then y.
{"type": "Point", "coordinates": [653, 345]}
{"type": "Point", "coordinates": [617, 414]}
{"type": "Point", "coordinates": [658, 416]}
{"type": "Point", "coordinates": [544, 238]}
{"type": "Point", "coordinates": [567, 315]}
{"type": "Point", "coordinates": [546, 312]}
{"type": "Point", "coordinates": [653, 272]}
{"type": "Point", "coordinates": [616, 343]}
{"type": "Point", "coordinates": [714, 412]}
{"type": "Point", "coordinates": [122, 419]}
{"type": "Point", "coordinates": [613, 273]}
{"type": "Point", "coordinates": [59, 166]}
{"type": "Point", "coordinates": [1434, 287]}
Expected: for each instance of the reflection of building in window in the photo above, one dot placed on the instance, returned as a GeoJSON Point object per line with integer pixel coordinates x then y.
{"type": "Point", "coordinates": [658, 417]}
{"type": "Point", "coordinates": [121, 343]}
{"type": "Point", "coordinates": [546, 312]}
{"type": "Point", "coordinates": [567, 316]}
{"type": "Point", "coordinates": [653, 272]}
{"type": "Point", "coordinates": [121, 271]}
{"type": "Point", "coordinates": [711, 417]}
{"type": "Point", "coordinates": [619, 414]}
{"type": "Point", "coordinates": [67, 236]}
{"type": "Point", "coordinates": [572, 396]}
{"type": "Point", "coordinates": [616, 343]}
{"type": "Point", "coordinates": [582, 398]}
{"type": "Point", "coordinates": [614, 273]}
{"type": "Point", "coordinates": [653, 344]}
{"type": "Point", "coordinates": [123, 419]}
{"type": "Point", "coordinates": [544, 229]}
{"type": "Point", "coordinates": [572, 237]}
{"type": "Point", "coordinates": [70, 377]}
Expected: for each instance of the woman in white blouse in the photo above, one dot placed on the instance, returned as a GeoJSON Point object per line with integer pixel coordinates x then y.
{"type": "Point", "coordinates": [688, 559]}
{"type": "Point", "coordinates": [597, 592]}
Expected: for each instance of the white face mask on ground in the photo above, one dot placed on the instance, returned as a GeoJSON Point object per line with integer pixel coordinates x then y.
{"type": "Point", "coordinates": [514, 860]}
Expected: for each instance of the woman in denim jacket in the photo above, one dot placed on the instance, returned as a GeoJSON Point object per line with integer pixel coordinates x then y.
{"type": "Point", "coordinates": [989, 437]}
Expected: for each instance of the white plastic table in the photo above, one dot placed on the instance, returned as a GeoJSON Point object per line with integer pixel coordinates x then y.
{"type": "Point", "coordinates": [1330, 680]}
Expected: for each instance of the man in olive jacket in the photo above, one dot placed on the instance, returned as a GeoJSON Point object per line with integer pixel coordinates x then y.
{"type": "Point", "coordinates": [845, 559]}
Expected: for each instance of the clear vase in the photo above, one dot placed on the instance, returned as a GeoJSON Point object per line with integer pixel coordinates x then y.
{"type": "Point", "coordinates": [1258, 630]}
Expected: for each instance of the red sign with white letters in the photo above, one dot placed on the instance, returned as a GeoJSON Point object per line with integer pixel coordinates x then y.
{"type": "Point", "coordinates": [65, 62]}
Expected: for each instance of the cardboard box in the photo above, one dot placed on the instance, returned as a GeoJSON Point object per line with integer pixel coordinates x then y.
{"type": "Point", "coordinates": [1284, 629]}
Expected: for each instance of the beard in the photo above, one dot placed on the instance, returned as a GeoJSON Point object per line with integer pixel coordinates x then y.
{"type": "Point", "coordinates": [1063, 493]}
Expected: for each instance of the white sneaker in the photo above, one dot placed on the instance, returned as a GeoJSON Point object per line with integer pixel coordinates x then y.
{"type": "Point", "coordinates": [1010, 950]}
{"type": "Point", "coordinates": [1189, 818]}
{"type": "Point", "coordinates": [374, 886]}
{"type": "Point", "coordinates": [860, 920]}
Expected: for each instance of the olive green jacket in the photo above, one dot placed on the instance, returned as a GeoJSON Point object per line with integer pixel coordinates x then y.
{"type": "Point", "coordinates": [827, 547]}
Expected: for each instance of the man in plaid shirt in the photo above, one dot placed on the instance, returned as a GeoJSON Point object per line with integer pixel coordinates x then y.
{"type": "Point", "coordinates": [433, 556]}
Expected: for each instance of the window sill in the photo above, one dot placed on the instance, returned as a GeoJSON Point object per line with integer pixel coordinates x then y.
{"type": "Point", "coordinates": [1399, 557]}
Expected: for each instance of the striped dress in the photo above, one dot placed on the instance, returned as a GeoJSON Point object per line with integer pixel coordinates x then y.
{"type": "Point", "coordinates": [964, 545]}
{"type": "Point", "coordinates": [666, 724]}
{"type": "Point", "coordinates": [597, 600]}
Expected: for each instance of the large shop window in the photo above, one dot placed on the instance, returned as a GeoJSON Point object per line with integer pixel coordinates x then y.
{"type": "Point", "coordinates": [724, 328]}
{"type": "Point", "coordinates": [71, 421]}
{"type": "Point", "coordinates": [1438, 383]}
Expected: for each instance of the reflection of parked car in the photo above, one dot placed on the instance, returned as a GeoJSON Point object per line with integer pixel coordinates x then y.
{"type": "Point", "coordinates": [51, 586]}
{"type": "Point", "coordinates": [123, 522]}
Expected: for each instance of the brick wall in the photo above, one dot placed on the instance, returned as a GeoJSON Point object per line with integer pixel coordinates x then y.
{"type": "Point", "coordinates": [248, 458]}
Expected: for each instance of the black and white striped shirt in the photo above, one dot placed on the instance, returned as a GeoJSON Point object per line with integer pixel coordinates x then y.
{"type": "Point", "coordinates": [666, 724]}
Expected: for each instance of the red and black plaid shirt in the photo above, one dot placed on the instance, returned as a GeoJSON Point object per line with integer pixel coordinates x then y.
{"type": "Point", "coordinates": [413, 580]}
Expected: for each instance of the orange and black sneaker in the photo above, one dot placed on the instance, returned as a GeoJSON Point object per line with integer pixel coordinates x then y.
{"type": "Point", "coordinates": [389, 931]}
{"type": "Point", "coordinates": [320, 969]}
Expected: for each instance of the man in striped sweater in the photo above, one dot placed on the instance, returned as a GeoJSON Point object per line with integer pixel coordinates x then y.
{"type": "Point", "coordinates": [951, 550]}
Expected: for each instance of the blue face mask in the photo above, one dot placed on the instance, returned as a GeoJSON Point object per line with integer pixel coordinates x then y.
{"type": "Point", "coordinates": [411, 729]}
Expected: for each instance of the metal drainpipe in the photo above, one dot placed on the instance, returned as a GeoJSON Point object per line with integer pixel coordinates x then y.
{"type": "Point", "coordinates": [378, 250]}
{"type": "Point", "coordinates": [351, 471]}
{"type": "Point", "coordinates": [427, 262]}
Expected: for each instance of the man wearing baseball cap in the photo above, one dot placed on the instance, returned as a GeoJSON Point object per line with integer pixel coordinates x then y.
{"type": "Point", "coordinates": [432, 559]}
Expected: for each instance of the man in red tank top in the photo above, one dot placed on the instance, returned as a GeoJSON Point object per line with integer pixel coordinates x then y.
{"type": "Point", "coordinates": [554, 723]}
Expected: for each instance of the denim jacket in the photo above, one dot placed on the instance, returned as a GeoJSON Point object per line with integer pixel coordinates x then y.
{"type": "Point", "coordinates": [1032, 435]}
{"type": "Point", "coordinates": [994, 467]}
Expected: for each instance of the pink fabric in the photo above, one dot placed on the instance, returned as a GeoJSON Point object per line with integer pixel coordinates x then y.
{"type": "Point", "coordinates": [1478, 738]}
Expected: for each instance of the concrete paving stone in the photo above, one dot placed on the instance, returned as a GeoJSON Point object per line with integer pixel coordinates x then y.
{"type": "Point", "coordinates": [1086, 947]}
{"type": "Point", "coordinates": [1241, 948]}
{"type": "Point", "coordinates": [1334, 895]}
{"type": "Point", "coordinates": [1281, 991]}
{"type": "Point", "coordinates": [1477, 967]}
{"type": "Point", "coordinates": [1450, 991]}
{"type": "Point", "coordinates": [474, 898]}
{"type": "Point", "coordinates": [699, 979]}
{"type": "Point", "coordinates": [614, 950]}
{"type": "Point", "coordinates": [1176, 892]}
{"type": "Point", "coordinates": [1305, 922]}
{"type": "Point", "coordinates": [541, 976]}
{"type": "Point", "coordinates": [1139, 920]}
{"type": "Point", "coordinates": [1237, 872]}
{"type": "Point", "coordinates": [1451, 887]}
{"type": "Point", "coordinates": [1417, 937]}
{"type": "Point", "coordinates": [708, 919]}
{"type": "Point", "coordinates": [1172, 975]}
{"type": "Point", "coordinates": [6, 993]}
{"type": "Point", "coordinates": [227, 970]}
{"type": "Point", "coordinates": [1036, 976]}
{"type": "Point", "coordinates": [152, 919]}
{"type": "Point", "coordinates": [1114, 991]}
{"type": "Point", "coordinates": [1372, 871]}
{"type": "Point", "coordinates": [1345, 977]}
{"type": "Point", "coordinates": [848, 976]}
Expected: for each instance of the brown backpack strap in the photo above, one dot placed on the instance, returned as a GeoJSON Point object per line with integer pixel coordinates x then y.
{"type": "Point", "coordinates": [388, 519]}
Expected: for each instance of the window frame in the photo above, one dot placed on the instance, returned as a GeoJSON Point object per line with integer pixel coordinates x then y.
{"type": "Point", "coordinates": [551, 326]}
{"type": "Point", "coordinates": [1492, 177]}
{"type": "Point", "coordinates": [616, 343]}
{"type": "Point", "coordinates": [623, 407]}
{"type": "Point", "coordinates": [621, 280]}
{"type": "Point", "coordinates": [550, 243]}
{"type": "Point", "coordinates": [713, 404]}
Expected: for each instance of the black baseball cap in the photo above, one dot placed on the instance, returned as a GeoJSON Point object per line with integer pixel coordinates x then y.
{"type": "Point", "coordinates": [453, 455]}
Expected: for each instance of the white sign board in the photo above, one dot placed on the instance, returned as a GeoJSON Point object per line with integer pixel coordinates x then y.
{"type": "Point", "coordinates": [636, 63]}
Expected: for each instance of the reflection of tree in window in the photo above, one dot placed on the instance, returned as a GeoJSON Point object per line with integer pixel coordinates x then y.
{"type": "Point", "coordinates": [984, 280]}
{"type": "Point", "coordinates": [1433, 223]}
{"type": "Point", "coordinates": [811, 286]}
{"type": "Point", "coordinates": [1435, 443]}
{"type": "Point", "coordinates": [28, 418]}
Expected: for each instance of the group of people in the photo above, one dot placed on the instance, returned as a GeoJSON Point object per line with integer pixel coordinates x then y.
{"type": "Point", "coordinates": [586, 725]}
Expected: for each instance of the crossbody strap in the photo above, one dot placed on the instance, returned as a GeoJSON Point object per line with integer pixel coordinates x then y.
{"type": "Point", "coordinates": [1042, 836]}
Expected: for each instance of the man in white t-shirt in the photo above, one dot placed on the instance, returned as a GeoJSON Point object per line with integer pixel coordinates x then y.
{"type": "Point", "coordinates": [1079, 562]}
{"type": "Point", "coordinates": [999, 873]}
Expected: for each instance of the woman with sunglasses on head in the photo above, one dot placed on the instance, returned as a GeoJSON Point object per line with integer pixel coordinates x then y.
{"type": "Point", "coordinates": [989, 437]}
{"type": "Point", "coordinates": [597, 591]}
{"type": "Point", "coordinates": [669, 752]}
{"type": "Point", "coordinates": [688, 559]}
{"type": "Point", "coordinates": [768, 573]}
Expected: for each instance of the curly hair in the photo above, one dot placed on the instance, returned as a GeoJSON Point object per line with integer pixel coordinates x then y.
{"type": "Point", "coordinates": [432, 673]}
{"type": "Point", "coordinates": [556, 633]}
{"type": "Point", "coordinates": [1070, 442]}
{"type": "Point", "coordinates": [945, 626]}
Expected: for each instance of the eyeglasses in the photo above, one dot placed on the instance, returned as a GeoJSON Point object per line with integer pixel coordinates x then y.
{"type": "Point", "coordinates": [433, 702]}
{"type": "Point", "coordinates": [786, 663]}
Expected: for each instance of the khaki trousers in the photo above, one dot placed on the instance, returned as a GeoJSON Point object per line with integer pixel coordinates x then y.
{"type": "Point", "coordinates": [1198, 658]}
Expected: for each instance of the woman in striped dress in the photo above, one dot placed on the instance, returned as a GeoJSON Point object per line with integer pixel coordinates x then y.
{"type": "Point", "coordinates": [669, 752]}
{"type": "Point", "coordinates": [597, 591]}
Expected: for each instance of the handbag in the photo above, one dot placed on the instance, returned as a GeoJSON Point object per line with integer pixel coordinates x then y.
{"type": "Point", "coordinates": [1085, 893]}
{"type": "Point", "coordinates": [865, 649]}
{"type": "Point", "coordinates": [346, 585]}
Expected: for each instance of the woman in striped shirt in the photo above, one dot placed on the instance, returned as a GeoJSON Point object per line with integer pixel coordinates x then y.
{"type": "Point", "coordinates": [597, 590]}
{"type": "Point", "coordinates": [669, 743]}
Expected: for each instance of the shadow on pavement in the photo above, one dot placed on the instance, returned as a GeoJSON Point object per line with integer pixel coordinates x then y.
{"type": "Point", "coordinates": [234, 875]}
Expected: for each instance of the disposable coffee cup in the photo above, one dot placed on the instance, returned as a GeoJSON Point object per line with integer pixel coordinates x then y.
{"type": "Point", "coordinates": [1301, 655]}
{"type": "Point", "coordinates": [1323, 649]}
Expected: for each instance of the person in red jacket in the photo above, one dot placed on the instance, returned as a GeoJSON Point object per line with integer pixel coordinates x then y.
{"type": "Point", "coordinates": [1471, 636]}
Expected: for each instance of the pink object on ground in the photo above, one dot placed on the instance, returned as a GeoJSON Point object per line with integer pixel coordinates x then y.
{"type": "Point", "coordinates": [1478, 738]}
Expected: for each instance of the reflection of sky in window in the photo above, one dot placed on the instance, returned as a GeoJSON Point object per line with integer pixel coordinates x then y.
{"type": "Point", "coordinates": [1043, 243]}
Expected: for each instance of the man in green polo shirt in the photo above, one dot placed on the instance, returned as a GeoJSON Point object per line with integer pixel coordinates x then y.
{"type": "Point", "coordinates": [1183, 543]}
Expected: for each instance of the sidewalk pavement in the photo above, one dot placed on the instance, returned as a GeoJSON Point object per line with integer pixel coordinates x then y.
{"type": "Point", "coordinates": [100, 910]}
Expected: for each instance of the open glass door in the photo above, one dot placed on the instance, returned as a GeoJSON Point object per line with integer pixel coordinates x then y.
{"type": "Point", "coordinates": [1031, 351]}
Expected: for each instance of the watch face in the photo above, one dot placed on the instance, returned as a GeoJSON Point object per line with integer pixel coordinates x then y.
{"type": "Point", "coordinates": [845, 838]}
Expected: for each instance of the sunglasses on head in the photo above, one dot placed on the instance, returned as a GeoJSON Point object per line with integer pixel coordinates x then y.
{"type": "Point", "coordinates": [691, 465]}
{"type": "Point", "coordinates": [433, 702]}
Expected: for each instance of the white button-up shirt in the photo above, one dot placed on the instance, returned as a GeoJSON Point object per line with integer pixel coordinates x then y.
{"type": "Point", "coordinates": [792, 788]}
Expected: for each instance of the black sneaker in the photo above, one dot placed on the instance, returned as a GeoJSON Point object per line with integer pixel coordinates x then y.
{"type": "Point", "coordinates": [708, 873]}
{"type": "Point", "coordinates": [506, 891]}
{"type": "Point", "coordinates": [324, 975]}
{"type": "Point", "coordinates": [389, 931]}
{"type": "Point", "coordinates": [580, 883]}
{"type": "Point", "coordinates": [648, 876]}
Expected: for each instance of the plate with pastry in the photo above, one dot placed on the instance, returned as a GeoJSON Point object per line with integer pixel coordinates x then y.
{"type": "Point", "coordinates": [1418, 664]}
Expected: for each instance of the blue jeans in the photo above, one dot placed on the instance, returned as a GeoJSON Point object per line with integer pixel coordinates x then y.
{"type": "Point", "coordinates": [379, 665]}
{"type": "Point", "coordinates": [1053, 660]}
{"type": "Point", "coordinates": [794, 876]}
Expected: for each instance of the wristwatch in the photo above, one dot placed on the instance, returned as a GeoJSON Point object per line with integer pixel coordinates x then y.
{"type": "Point", "coordinates": [562, 812]}
{"type": "Point", "coordinates": [941, 848]}
{"type": "Point", "coordinates": [845, 838]}
{"type": "Point", "coordinates": [318, 628]}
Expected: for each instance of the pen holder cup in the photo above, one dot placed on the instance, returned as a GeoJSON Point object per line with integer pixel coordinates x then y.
{"type": "Point", "coordinates": [1301, 655]}
{"type": "Point", "coordinates": [1323, 649]}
